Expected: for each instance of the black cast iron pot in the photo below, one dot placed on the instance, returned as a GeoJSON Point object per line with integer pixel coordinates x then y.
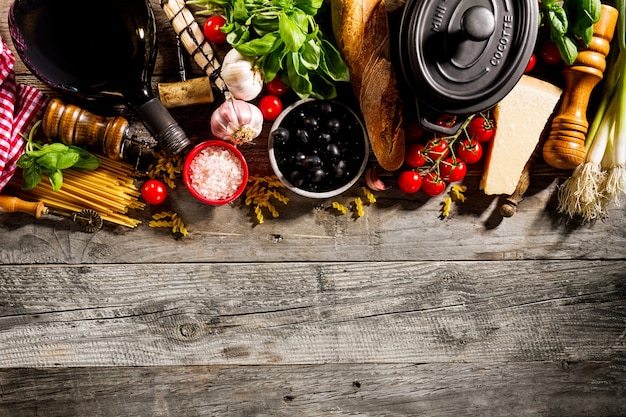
{"type": "Point", "coordinates": [462, 57]}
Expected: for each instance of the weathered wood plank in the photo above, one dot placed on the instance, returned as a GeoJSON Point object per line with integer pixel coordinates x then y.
{"type": "Point", "coordinates": [312, 313]}
{"type": "Point", "coordinates": [550, 389]}
{"type": "Point", "coordinates": [396, 228]}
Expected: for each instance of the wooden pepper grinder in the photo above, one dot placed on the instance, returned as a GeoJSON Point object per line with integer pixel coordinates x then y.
{"type": "Point", "coordinates": [565, 147]}
{"type": "Point", "coordinates": [73, 125]}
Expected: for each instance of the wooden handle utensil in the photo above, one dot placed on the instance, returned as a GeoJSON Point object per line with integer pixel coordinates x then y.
{"type": "Point", "coordinates": [565, 147]}
{"type": "Point", "coordinates": [9, 204]}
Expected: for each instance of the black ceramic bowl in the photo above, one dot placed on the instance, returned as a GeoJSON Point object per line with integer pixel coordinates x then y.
{"type": "Point", "coordinates": [318, 148]}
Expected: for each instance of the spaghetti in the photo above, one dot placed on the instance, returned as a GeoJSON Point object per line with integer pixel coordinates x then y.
{"type": "Point", "coordinates": [109, 190]}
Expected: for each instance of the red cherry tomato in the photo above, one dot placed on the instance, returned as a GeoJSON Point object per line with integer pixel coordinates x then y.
{"type": "Point", "coordinates": [481, 129]}
{"type": "Point", "coordinates": [270, 106]}
{"type": "Point", "coordinates": [276, 87]}
{"type": "Point", "coordinates": [433, 184]}
{"type": "Point", "coordinates": [531, 63]}
{"type": "Point", "coordinates": [154, 192]}
{"type": "Point", "coordinates": [414, 157]}
{"type": "Point", "coordinates": [446, 120]}
{"type": "Point", "coordinates": [437, 148]}
{"type": "Point", "coordinates": [549, 53]}
{"type": "Point", "coordinates": [413, 131]}
{"type": "Point", "coordinates": [410, 181]}
{"type": "Point", "coordinates": [470, 151]}
{"type": "Point", "coordinates": [213, 29]}
{"type": "Point", "coordinates": [452, 169]}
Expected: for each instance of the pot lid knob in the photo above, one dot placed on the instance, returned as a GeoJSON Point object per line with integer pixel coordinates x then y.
{"type": "Point", "coordinates": [478, 23]}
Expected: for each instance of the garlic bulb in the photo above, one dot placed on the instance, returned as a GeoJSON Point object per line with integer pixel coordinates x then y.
{"type": "Point", "coordinates": [237, 121]}
{"type": "Point", "coordinates": [242, 79]}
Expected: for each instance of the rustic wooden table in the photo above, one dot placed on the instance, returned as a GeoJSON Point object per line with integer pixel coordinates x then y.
{"type": "Point", "coordinates": [395, 313]}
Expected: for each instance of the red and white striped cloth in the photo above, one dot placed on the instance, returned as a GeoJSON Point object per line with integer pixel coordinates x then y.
{"type": "Point", "coordinates": [20, 107]}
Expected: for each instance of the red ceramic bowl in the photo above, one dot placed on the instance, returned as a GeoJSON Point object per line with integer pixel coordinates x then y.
{"type": "Point", "coordinates": [212, 163]}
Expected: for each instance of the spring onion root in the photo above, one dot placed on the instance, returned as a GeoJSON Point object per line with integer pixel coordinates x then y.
{"type": "Point", "coordinates": [600, 181]}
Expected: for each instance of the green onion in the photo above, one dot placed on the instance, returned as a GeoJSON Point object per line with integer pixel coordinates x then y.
{"type": "Point", "coordinates": [601, 180]}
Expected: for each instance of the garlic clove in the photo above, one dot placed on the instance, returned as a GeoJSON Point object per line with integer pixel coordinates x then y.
{"type": "Point", "coordinates": [242, 79]}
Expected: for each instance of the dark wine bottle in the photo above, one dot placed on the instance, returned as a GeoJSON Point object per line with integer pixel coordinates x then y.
{"type": "Point", "coordinates": [96, 51]}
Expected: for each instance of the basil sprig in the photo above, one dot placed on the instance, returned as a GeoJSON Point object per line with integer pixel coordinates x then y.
{"type": "Point", "coordinates": [51, 159]}
{"type": "Point", "coordinates": [282, 36]}
{"type": "Point", "coordinates": [571, 23]}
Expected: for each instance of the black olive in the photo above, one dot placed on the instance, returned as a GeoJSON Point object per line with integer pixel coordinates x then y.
{"type": "Point", "coordinates": [333, 125]}
{"type": "Point", "coordinates": [312, 162]}
{"type": "Point", "coordinates": [339, 168]}
{"type": "Point", "coordinates": [296, 178]}
{"type": "Point", "coordinates": [326, 108]}
{"type": "Point", "coordinates": [303, 136]}
{"type": "Point", "coordinates": [281, 136]}
{"type": "Point", "coordinates": [317, 175]}
{"type": "Point", "coordinates": [333, 150]}
{"type": "Point", "coordinates": [310, 123]}
{"type": "Point", "coordinates": [298, 158]}
{"type": "Point", "coordinates": [324, 137]}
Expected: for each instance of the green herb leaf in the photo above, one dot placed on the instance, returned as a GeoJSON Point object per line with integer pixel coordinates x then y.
{"type": "Point", "coordinates": [258, 46]}
{"type": "Point", "coordinates": [32, 177]}
{"type": "Point", "coordinates": [56, 179]}
{"type": "Point", "coordinates": [291, 34]}
{"type": "Point", "coordinates": [332, 63]}
{"type": "Point", "coordinates": [568, 49]}
{"type": "Point", "coordinates": [298, 76]}
{"type": "Point", "coordinates": [558, 22]}
{"type": "Point", "coordinates": [310, 7]}
{"type": "Point", "coordinates": [86, 160]}
{"type": "Point", "coordinates": [58, 160]}
{"type": "Point", "coordinates": [310, 55]}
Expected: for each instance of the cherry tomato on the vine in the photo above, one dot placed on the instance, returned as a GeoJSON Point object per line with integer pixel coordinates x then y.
{"type": "Point", "coordinates": [437, 148]}
{"type": "Point", "coordinates": [276, 87]}
{"type": "Point", "coordinates": [154, 192]}
{"type": "Point", "coordinates": [270, 106]}
{"type": "Point", "coordinates": [410, 181]}
{"type": "Point", "coordinates": [470, 151]}
{"type": "Point", "coordinates": [481, 129]}
{"type": "Point", "coordinates": [414, 156]}
{"type": "Point", "coordinates": [433, 184]}
{"type": "Point", "coordinates": [452, 169]}
{"type": "Point", "coordinates": [213, 29]}
{"type": "Point", "coordinates": [549, 53]}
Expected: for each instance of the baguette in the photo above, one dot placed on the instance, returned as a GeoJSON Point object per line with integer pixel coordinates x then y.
{"type": "Point", "coordinates": [362, 36]}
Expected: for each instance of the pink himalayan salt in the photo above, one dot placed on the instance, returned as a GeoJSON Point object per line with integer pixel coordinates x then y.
{"type": "Point", "coordinates": [216, 173]}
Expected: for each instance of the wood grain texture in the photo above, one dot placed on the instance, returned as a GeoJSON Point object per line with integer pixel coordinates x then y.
{"type": "Point", "coordinates": [396, 313]}
{"type": "Point", "coordinates": [491, 389]}
{"type": "Point", "coordinates": [312, 313]}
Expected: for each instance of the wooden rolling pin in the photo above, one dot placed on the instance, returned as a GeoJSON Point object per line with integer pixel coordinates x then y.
{"type": "Point", "coordinates": [565, 147]}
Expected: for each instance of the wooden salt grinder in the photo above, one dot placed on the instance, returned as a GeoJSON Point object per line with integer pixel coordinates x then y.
{"type": "Point", "coordinates": [565, 147]}
{"type": "Point", "coordinates": [73, 125]}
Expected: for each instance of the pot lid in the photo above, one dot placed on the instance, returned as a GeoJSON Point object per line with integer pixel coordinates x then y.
{"type": "Point", "coordinates": [463, 56]}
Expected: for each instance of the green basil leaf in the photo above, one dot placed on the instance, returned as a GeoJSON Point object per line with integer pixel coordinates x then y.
{"type": "Point", "coordinates": [310, 7]}
{"type": "Point", "coordinates": [323, 88]}
{"type": "Point", "coordinates": [258, 46]}
{"type": "Point", "coordinates": [52, 147]}
{"type": "Point", "coordinates": [86, 160]}
{"type": "Point", "coordinates": [264, 23]}
{"type": "Point", "coordinates": [271, 64]}
{"type": "Point", "coordinates": [25, 161]}
{"type": "Point", "coordinates": [291, 34]}
{"type": "Point", "coordinates": [32, 177]}
{"type": "Point", "coordinates": [56, 179]}
{"type": "Point", "coordinates": [310, 55]}
{"type": "Point", "coordinates": [58, 160]}
{"type": "Point", "coordinates": [298, 77]}
{"type": "Point", "coordinates": [558, 22]}
{"type": "Point", "coordinates": [332, 63]}
{"type": "Point", "coordinates": [240, 12]}
{"type": "Point", "coordinates": [568, 49]}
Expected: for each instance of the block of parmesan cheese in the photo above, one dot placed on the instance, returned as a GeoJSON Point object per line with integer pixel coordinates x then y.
{"type": "Point", "coordinates": [520, 119]}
